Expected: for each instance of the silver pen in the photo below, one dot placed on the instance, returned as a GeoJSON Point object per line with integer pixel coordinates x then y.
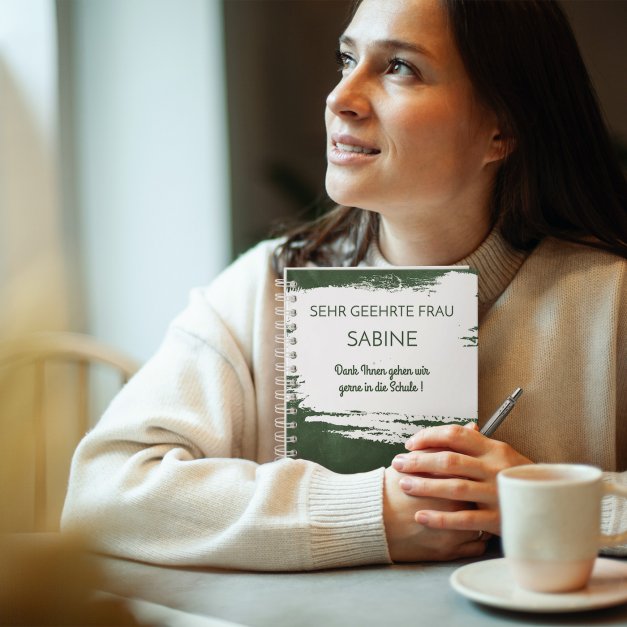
{"type": "Point", "coordinates": [499, 415]}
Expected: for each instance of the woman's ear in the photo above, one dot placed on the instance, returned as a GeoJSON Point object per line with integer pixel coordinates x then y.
{"type": "Point", "coordinates": [501, 146]}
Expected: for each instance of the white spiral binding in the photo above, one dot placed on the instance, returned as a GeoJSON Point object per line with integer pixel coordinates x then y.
{"type": "Point", "coordinates": [282, 354]}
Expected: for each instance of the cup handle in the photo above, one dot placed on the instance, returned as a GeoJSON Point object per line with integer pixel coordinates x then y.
{"type": "Point", "coordinates": [618, 538]}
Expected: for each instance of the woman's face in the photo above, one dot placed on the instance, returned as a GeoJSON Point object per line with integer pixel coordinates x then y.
{"type": "Point", "coordinates": [404, 131]}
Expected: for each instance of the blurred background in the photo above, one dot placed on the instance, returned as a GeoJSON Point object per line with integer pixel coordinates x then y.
{"type": "Point", "coordinates": [146, 143]}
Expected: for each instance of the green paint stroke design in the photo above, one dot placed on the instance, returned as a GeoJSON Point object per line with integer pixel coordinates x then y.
{"type": "Point", "coordinates": [418, 280]}
{"type": "Point", "coordinates": [473, 340]}
{"type": "Point", "coordinates": [330, 448]}
{"type": "Point", "coordinates": [393, 428]}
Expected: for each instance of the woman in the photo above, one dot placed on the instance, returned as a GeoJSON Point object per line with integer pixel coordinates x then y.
{"type": "Point", "coordinates": [460, 132]}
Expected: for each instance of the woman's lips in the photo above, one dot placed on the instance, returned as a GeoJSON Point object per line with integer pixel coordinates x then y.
{"type": "Point", "coordinates": [346, 149]}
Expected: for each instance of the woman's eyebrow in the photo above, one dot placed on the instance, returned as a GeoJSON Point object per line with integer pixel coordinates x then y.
{"type": "Point", "coordinates": [388, 44]}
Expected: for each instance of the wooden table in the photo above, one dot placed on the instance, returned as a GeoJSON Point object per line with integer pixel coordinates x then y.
{"type": "Point", "coordinates": [418, 595]}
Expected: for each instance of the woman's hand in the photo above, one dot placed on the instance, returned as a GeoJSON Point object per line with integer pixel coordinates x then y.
{"type": "Point", "coordinates": [411, 542]}
{"type": "Point", "coordinates": [461, 466]}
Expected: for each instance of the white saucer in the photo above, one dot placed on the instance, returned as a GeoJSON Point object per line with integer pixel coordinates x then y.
{"type": "Point", "coordinates": [490, 582]}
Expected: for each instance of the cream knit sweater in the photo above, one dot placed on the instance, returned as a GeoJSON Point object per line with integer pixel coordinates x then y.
{"type": "Point", "coordinates": [180, 468]}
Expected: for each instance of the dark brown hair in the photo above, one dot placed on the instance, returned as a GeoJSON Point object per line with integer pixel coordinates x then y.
{"type": "Point", "coordinates": [562, 177]}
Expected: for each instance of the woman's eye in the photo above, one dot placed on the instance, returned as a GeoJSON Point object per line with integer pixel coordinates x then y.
{"type": "Point", "coordinates": [344, 60]}
{"type": "Point", "coordinates": [400, 68]}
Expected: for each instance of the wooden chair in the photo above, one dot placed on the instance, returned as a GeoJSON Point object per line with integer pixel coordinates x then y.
{"type": "Point", "coordinates": [25, 372]}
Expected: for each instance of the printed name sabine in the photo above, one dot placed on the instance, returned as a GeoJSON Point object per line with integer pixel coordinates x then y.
{"type": "Point", "coordinates": [383, 338]}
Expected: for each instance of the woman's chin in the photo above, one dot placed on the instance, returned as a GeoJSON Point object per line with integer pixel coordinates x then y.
{"type": "Point", "coordinates": [342, 195]}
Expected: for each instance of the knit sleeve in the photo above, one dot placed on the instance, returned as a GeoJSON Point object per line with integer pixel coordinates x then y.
{"type": "Point", "coordinates": [169, 475]}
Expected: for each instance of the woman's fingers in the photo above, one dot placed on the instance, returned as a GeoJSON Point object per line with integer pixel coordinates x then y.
{"type": "Point", "coordinates": [446, 463]}
{"type": "Point", "coordinates": [456, 437]}
{"type": "Point", "coordinates": [457, 450]}
{"type": "Point", "coordinates": [454, 489]}
{"type": "Point", "coordinates": [409, 541]}
{"type": "Point", "coordinates": [486, 520]}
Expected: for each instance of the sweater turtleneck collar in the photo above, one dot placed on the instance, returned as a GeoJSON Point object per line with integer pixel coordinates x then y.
{"type": "Point", "coordinates": [495, 261]}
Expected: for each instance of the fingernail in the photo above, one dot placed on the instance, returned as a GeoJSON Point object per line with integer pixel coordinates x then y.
{"type": "Point", "coordinates": [406, 483]}
{"type": "Point", "coordinates": [398, 462]}
{"type": "Point", "coordinates": [410, 442]}
{"type": "Point", "coordinates": [422, 518]}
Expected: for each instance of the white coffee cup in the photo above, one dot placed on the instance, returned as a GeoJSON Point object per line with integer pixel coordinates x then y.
{"type": "Point", "coordinates": [550, 523]}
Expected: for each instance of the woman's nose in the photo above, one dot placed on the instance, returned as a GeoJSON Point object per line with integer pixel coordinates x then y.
{"type": "Point", "coordinates": [350, 98]}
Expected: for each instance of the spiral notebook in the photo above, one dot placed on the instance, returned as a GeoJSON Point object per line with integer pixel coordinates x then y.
{"type": "Point", "coordinates": [370, 356]}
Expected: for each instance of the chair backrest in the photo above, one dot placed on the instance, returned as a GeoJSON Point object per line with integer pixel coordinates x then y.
{"type": "Point", "coordinates": [27, 374]}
